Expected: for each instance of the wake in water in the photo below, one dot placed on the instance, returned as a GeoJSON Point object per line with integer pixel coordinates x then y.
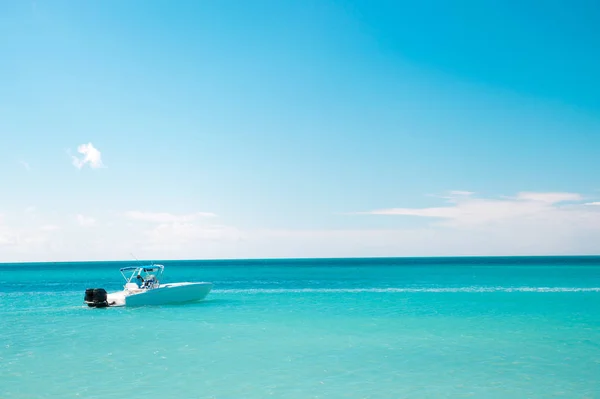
{"type": "Point", "coordinates": [403, 290]}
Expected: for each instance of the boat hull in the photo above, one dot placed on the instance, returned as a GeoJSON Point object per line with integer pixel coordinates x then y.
{"type": "Point", "coordinates": [165, 294]}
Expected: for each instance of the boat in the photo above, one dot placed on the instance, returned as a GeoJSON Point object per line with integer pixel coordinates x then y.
{"type": "Point", "coordinates": [143, 287]}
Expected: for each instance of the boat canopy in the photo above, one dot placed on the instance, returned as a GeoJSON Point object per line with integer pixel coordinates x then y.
{"type": "Point", "coordinates": [141, 271]}
{"type": "Point", "coordinates": [153, 268]}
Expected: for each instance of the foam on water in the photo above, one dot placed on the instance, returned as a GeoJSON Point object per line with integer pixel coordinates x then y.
{"type": "Point", "coordinates": [403, 290]}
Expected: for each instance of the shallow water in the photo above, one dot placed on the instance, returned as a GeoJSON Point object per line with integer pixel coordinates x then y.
{"type": "Point", "coordinates": [378, 328]}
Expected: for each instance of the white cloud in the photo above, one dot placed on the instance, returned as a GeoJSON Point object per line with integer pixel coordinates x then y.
{"type": "Point", "coordinates": [49, 227]}
{"type": "Point", "coordinates": [171, 232]}
{"type": "Point", "coordinates": [593, 203]}
{"type": "Point", "coordinates": [550, 198]}
{"type": "Point", "coordinates": [91, 157]}
{"type": "Point", "coordinates": [441, 212]}
{"type": "Point", "coordinates": [465, 225]}
{"type": "Point", "coordinates": [25, 165]}
{"type": "Point", "coordinates": [426, 241]}
{"type": "Point", "coordinates": [21, 239]}
{"type": "Point", "coordinates": [469, 211]}
{"type": "Point", "coordinates": [4, 232]}
{"type": "Point", "coordinates": [164, 217]}
{"type": "Point", "coordinates": [85, 221]}
{"type": "Point", "coordinates": [461, 193]}
{"type": "Point", "coordinates": [148, 235]}
{"type": "Point", "coordinates": [186, 236]}
{"type": "Point", "coordinates": [6, 236]}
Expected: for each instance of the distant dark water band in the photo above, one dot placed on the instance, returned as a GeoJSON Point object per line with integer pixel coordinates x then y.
{"type": "Point", "coordinates": [324, 262]}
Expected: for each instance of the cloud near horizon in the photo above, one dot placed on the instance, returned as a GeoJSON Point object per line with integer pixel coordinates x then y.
{"type": "Point", "coordinates": [527, 223]}
{"type": "Point", "coordinates": [550, 198]}
{"type": "Point", "coordinates": [175, 232]}
{"type": "Point", "coordinates": [461, 193]}
{"type": "Point", "coordinates": [165, 217]}
{"type": "Point", "coordinates": [85, 221]}
{"type": "Point", "coordinates": [467, 210]}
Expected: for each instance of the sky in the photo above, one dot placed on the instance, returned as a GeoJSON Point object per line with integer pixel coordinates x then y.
{"type": "Point", "coordinates": [267, 129]}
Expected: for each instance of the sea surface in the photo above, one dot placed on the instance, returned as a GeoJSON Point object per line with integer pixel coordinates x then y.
{"type": "Point", "coordinates": [312, 328]}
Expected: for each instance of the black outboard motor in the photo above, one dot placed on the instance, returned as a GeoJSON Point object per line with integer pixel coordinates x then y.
{"type": "Point", "coordinates": [96, 297]}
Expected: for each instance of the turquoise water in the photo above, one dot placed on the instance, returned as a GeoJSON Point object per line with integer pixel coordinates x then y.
{"type": "Point", "coordinates": [361, 328]}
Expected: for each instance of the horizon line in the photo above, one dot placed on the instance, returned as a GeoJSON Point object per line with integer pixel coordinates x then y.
{"type": "Point", "coordinates": [302, 259]}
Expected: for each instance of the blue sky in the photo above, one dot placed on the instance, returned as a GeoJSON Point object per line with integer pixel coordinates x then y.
{"type": "Point", "coordinates": [300, 128]}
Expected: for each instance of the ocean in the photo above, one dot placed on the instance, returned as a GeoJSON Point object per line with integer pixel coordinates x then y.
{"type": "Point", "coordinates": [310, 328]}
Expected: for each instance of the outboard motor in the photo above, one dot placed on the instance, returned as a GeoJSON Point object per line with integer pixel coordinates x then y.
{"type": "Point", "coordinates": [96, 297]}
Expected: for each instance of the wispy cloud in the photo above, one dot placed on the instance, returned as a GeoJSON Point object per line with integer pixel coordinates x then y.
{"type": "Point", "coordinates": [49, 227]}
{"type": "Point", "coordinates": [462, 226]}
{"type": "Point", "coordinates": [594, 203]}
{"type": "Point", "coordinates": [91, 156]}
{"type": "Point", "coordinates": [164, 217]}
{"type": "Point", "coordinates": [550, 198]}
{"type": "Point", "coordinates": [178, 232]}
{"type": "Point", "coordinates": [85, 221]}
{"type": "Point", "coordinates": [5, 238]}
{"type": "Point", "coordinates": [461, 193]}
{"type": "Point", "coordinates": [176, 236]}
{"type": "Point", "coordinates": [468, 210]}
{"type": "Point", "coordinates": [23, 238]}
{"type": "Point", "coordinates": [25, 165]}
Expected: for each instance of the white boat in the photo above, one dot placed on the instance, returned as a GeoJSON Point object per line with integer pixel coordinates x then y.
{"type": "Point", "coordinates": [143, 287]}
